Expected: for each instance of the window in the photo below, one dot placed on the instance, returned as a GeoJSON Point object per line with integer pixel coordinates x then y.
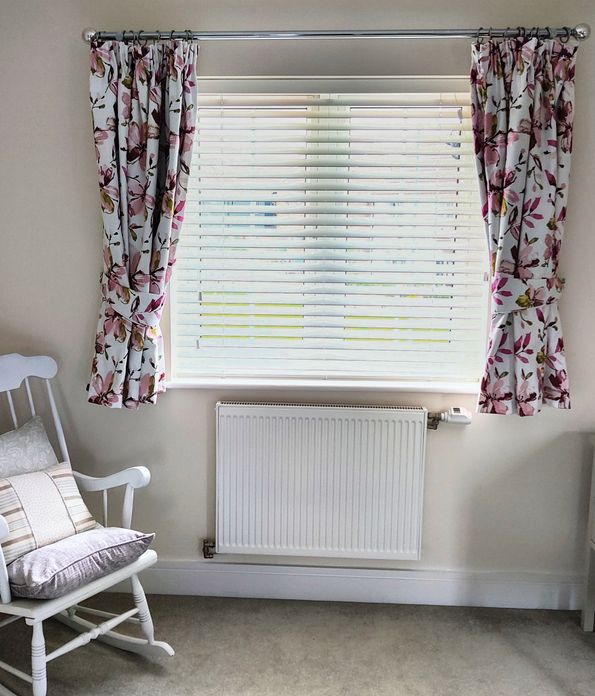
{"type": "Point", "coordinates": [332, 236]}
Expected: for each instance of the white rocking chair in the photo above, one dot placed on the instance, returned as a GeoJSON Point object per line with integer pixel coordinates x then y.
{"type": "Point", "coordinates": [14, 371]}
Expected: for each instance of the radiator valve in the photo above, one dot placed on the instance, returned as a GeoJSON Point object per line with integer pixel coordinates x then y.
{"type": "Point", "coordinates": [455, 414]}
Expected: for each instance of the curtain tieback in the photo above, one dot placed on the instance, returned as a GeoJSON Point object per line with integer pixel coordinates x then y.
{"type": "Point", "coordinates": [142, 308]}
{"type": "Point", "coordinates": [510, 294]}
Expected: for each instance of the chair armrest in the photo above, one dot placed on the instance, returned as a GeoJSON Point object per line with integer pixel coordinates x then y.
{"type": "Point", "coordinates": [135, 477]}
{"type": "Point", "coordinates": [132, 478]}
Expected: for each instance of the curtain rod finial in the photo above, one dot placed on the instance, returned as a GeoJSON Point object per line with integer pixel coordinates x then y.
{"type": "Point", "coordinates": [582, 31]}
{"type": "Point", "coordinates": [88, 34]}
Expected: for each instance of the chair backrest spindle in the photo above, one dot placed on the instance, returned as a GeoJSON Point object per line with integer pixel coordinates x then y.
{"type": "Point", "coordinates": [13, 413]}
{"type": "Point", "coordinates": [105, 524]}
{"type": "Point", "coordinates": [127, 507]}
{"type": "Point", "coordinates": [30, 397]}
{"type": "Point", "coordinates": [57, 423]}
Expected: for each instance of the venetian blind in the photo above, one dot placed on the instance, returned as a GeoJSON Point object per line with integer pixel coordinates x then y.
{"type": "Point", "coordinates": [331, 236]}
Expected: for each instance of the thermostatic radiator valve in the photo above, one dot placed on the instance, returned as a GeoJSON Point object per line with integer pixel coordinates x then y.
{"type": "Point", "coordinates": [455, 414]}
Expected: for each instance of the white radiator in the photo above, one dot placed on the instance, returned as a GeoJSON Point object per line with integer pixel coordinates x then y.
{"type": "Point", "coordinates": [308, 480]}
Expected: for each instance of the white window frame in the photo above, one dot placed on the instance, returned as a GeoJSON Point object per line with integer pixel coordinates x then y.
{"type": "Point", "coordinates": [216, 85]}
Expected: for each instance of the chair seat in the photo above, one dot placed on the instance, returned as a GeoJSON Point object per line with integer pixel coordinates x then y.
{"type": "Point", "coordinates": [41, 609]}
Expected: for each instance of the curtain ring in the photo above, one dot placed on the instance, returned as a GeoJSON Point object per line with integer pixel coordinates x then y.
{"type": "Point", "coordinates": [549, 32]}
{"type": "Point", "coordinates": [171, 35]}
{"type": "Point", "coordinates": [522, 32]}
{"type": "Point", "coordinates": [490, 33]}
{"type": "Point", "coordinates": [188, 35]}
{"type": "Point", "coordinates": [565, 39]}
{"type": "Point", "coordinates": [477, 36]}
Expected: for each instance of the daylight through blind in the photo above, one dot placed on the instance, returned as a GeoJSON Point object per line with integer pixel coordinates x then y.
{"type": "Point", "coordinates": [332, 235]}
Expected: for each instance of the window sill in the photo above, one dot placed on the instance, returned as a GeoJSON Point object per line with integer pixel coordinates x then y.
{"type": "Point", "coordinates": [324, 384]}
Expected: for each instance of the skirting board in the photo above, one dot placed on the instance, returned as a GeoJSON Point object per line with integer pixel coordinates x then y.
{"type": "Point", "coordinates": [442, 587]}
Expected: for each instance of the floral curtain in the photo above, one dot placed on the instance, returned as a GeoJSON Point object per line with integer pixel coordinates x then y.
{"type": "Point", "coordinates": [143, 100]}
{"type": "Point", "coordinates": [522, 109]}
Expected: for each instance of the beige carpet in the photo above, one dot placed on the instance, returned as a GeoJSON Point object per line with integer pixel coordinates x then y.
{"type": "Point", "coordinates": [228, 647]}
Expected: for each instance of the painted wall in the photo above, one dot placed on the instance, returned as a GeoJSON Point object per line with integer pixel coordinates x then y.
{"type": "Point", "coordinates": [507, 494]}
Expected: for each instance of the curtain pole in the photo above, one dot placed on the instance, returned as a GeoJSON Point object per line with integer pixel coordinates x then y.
{"type": "Point", "coordinates": [580, 32]}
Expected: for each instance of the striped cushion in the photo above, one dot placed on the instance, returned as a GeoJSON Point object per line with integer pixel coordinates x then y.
{"type": "Point", "coordinates": [41, 507]}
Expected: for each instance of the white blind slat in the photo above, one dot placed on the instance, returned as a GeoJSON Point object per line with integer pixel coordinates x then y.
{"type": "Point", "coordinates": [415, 228]}
{"type": "Point", "coordinates": [214, 197]}
{"type": "Point", "coordinates": [416, 248]}
{"type": "Point", "coordinates": [330, 253]}
{"type": "Point", "coordinates": [339, 353]}
{"type": "Point", "coordinates": [345, 186]}
{"type": "Point", "coordinates": [317, 288]}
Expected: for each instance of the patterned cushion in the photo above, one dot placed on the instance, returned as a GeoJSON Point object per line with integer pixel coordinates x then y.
{"type": "Point", "coordinates": [26, 449]}
{"type": "Point", "coordinates": [59, 568]}
{"type": "Point", "coordinates": [41, 507]}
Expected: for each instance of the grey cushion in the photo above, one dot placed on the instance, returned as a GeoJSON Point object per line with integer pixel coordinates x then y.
{"type": "Point", "coordinates": [55, 570]}
{"type": "Point", "coordinates": [26, 449]}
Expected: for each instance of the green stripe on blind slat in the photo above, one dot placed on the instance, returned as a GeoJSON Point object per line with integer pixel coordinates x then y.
{"type": "Point", "coordinates": [191, 292]}
{"type": "Point", "coordinates": [348, 320]}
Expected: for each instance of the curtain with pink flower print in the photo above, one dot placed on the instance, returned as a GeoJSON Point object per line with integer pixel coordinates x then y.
{"type": "Point", "coordinates": [522, 108]}
{"type": "Point", "coordinates": [143, 102]}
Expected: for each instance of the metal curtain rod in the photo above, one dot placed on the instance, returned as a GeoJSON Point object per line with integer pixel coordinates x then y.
{"type": "Point", "coordinates": [580, 32]}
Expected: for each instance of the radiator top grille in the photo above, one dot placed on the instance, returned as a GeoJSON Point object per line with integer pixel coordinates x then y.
{"type": "Point", "coordinates": [331, 405]}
